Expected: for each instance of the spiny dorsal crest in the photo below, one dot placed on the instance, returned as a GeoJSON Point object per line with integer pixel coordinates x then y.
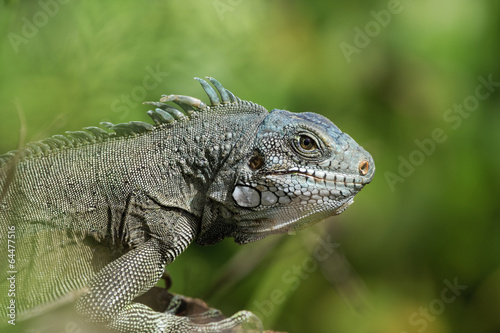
{"type": "Point", "coordinates": [164, 113]}
{"type": "Point", "coordinates": [163, 116]}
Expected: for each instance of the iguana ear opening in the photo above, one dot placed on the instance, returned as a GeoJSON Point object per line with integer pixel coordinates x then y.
{"type": "Point", "coordinates": [256, 161]}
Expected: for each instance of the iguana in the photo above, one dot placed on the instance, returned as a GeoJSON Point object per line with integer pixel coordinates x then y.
{"type": "Point", "coordinates": [98, 214]}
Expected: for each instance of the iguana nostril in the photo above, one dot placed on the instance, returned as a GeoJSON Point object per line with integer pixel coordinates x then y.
{"type": "Point", "coordinates": [364, 167]}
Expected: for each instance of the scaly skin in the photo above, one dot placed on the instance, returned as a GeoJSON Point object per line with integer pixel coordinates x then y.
{"type": "Point", "coordinates": [98, 215]}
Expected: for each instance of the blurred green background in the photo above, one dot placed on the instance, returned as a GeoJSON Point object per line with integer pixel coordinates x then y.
{"type": "Point", "coordinates": [405, 79]}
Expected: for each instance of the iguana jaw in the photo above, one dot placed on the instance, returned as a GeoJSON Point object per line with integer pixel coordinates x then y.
{"type": "Point", "coordinates": [297, 186]}
{"type": "Point", "coordinates": [328, 177]}
{"type": "Point", "coordinates": [302, 196]}
{"type": "Point", "coordinates": [252, 230]}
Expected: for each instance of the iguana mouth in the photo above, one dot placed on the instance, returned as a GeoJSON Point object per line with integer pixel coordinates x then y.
{"type": "Point", "coordinates": [325, 177]}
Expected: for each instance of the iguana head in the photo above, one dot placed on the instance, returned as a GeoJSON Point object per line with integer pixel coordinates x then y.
{"type": "Point", "coordinates": [301, 169]}
{"type": "Point", "coordinates": [287, 171]}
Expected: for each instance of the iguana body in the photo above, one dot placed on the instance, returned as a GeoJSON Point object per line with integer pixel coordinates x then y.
{"type": "Point", "coordinates": [98, 215]}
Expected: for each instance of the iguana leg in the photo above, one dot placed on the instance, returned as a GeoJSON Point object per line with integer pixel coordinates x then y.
{"type": "Point", "coordinates": [112, 291]}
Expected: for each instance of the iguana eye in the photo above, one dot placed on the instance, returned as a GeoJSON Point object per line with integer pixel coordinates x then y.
{"type": "Point", "coordinates": [307, 143]}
